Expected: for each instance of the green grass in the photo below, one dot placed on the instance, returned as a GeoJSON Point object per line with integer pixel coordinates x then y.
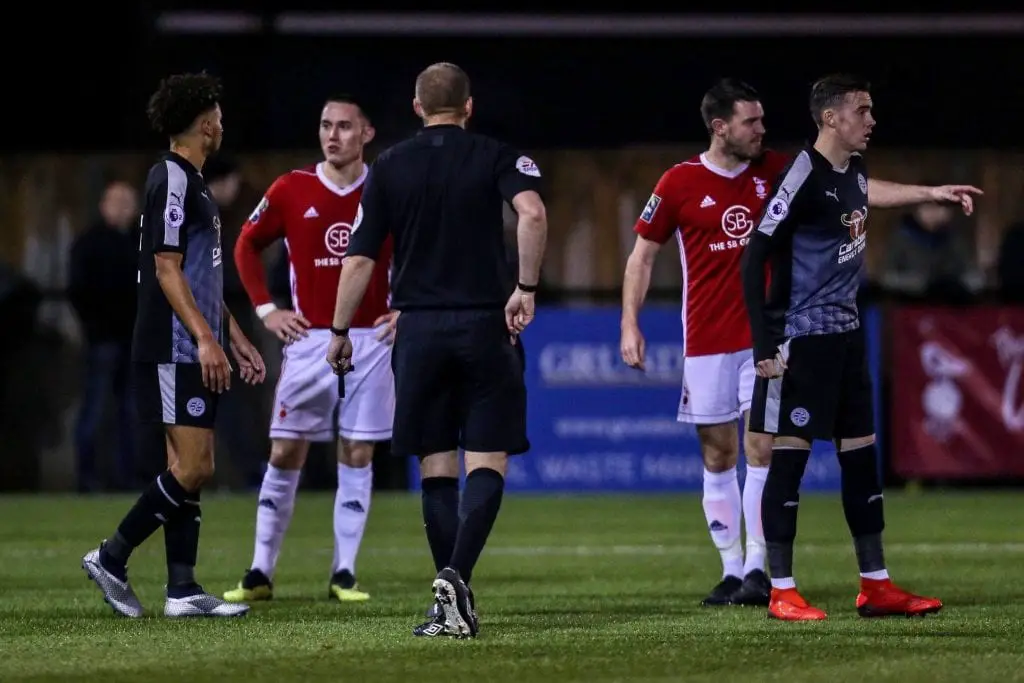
{"type": "Point", "coordinates": [571, 589]}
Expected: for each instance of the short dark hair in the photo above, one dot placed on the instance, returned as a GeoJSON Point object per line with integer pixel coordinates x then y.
{"type": "Point", "coordinates": [720, 101]}
{"type": "Point", "coordinates": [831, 90]}
{"type": "Point", "coordinates": [180, 99]}
{"type": "Point", "coordinates": [347, 98]}
{"type": "Point", "coordinates": [442, 88]}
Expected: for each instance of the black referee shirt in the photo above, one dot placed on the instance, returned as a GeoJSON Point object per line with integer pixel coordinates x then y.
{"type": "Point", "coordinates": [440, 195]}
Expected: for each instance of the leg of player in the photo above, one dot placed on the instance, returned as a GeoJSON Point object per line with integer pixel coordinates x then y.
{"type": "Point", "coordinates": [779, 505]}
{"type": "Point", "coordinates": [273, 515]}
{"type": "Point", "coordinates": [478, 509]}
{"type": "Point", "coordinates": [723, 506]}
{"type": "Point", "coordinates": [863, 507]}
{"type": "Point", "coordinates": [439, 485]}
{"type": "Point", "coordinates": [107, 565]}
{"type": "Point", "coordinates": [756, 588]}
{"type": "Point", "coordinates": [351, 508]}
{"type": "Point", "coordinates": [190, 455]}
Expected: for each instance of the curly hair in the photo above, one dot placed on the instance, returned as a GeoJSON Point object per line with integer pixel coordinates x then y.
{"type": "Point", "coordinates": [180, 99]}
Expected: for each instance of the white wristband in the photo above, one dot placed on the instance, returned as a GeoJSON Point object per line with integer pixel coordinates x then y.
{"type": "Point", "coordinates": [263, 310]}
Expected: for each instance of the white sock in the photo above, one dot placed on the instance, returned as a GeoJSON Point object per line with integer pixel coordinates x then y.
{"type": "Point", "coordinates": [722, 509]}
{"type": "Point", "coordinates": [273, 515]}
{"type": "Point", "coordinates": [753, 487]}
{"type": "Point", "coordinates": [784, 583]}
{"type": "Point", "coordinates": [880, 575]}
{"type": "Point", "coordinates": [351, 506]}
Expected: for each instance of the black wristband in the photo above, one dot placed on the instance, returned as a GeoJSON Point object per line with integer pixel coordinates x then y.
{"type": "Point", "coordinates": [529, 289]}
{"type": "Point", "coordinates": [339, 332]}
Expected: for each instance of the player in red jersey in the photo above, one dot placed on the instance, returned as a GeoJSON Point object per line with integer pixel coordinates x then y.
{"type": "Point", "coordinates": [313, 211]}
{"type": "Point", "coordinates": [710, 204]}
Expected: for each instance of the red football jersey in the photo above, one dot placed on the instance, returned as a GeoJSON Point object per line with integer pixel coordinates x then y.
{"type": "Point", "coordinates": [711, 212]}
{"type": "Point", "coordinates": [314, 217]}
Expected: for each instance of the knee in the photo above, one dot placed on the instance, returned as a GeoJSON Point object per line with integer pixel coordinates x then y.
{"type": "Point", "coordinates": [288, 454]}
{"type": "Point", "coordinates": [194, 474]}
{"type": "Point", "coordinates": [357, 454]}
{"type": "Point", "coordinates": [758, 449]}
{"type": "Point", "coordinates": [492, 461]}
{"type": "Point", "coordinates": [719, 447]}
{"type": "Point", "coordinates": [440, 465]}
{"type": "Point", "coordinates": [784, 476]}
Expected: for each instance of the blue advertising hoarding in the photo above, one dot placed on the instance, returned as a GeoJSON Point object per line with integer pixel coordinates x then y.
{"type": "Point", "coordinates": [596, 425]}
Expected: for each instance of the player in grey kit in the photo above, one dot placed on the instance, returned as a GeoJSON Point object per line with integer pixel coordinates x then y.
{"type": "Point", "coordinates": [180, 367]}
{"type": "Point", "coordinates": [809, 347]}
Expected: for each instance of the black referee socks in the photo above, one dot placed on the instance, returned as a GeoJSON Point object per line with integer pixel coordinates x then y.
{"type": "Point", "coordinates": [779, 504]}
{"type": "Point", "coordinates": [862, 505]}
{"type": "Point", "coordinates": [440, 497]}
{"type": "Point", "coordinates": [481, 501]}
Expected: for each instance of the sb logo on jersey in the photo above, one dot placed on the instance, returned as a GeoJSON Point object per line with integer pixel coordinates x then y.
{"type": "Point", "coordinates": [337, 237]}
{"type": "Point", "coordinates": [736, 222]}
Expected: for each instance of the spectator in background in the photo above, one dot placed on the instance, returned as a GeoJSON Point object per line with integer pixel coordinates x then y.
{"type": "Point", "coordinates": [1010, 266]}
{"type": "Point", "coordinates": [927, 256]}
{"type": "Point", "coordinates": [102, 281]}
{"type": "Point", "coordinates": [246, 447]}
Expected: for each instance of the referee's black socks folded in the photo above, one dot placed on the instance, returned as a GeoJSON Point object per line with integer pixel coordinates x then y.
{"type": "Point", "coordinates": [440, 498]}
{"type": "Point", "coordinates": [862, 505]}
{"type": "Point", "coordinates": [779, 504]}
{"type": "Point", "coordinates": [481, 501]}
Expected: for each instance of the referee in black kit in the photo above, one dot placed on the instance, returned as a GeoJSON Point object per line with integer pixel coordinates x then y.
{"type": "Point", "coordinates": [458, 373]}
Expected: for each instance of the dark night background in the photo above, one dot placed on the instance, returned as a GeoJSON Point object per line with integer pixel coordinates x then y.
{"type": "Point", "coordinates": [82, 82]}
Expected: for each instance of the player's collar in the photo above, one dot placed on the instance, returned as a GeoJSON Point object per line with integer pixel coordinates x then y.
{"type": "Point", "coordinates": [336, 189]}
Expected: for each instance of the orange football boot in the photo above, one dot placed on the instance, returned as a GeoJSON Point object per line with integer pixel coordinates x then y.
{"type": "Point", "coordinates": [883, 598]}
{"type": "Point", "coordinates": [788, 605]}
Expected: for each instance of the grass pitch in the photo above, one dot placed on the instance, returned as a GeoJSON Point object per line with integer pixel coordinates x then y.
{"type": "Point", "coordinates": [588, 589]}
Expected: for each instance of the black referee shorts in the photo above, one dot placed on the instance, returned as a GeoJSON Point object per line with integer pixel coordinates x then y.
{"type": "Point", "coordinates": [824, 394]}
{"type": "Point", "coordinates": [458, 384]}
{"type": "Point", "coordinates": [173, 394]}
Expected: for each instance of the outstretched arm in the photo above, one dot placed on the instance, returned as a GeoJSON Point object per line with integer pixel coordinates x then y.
{"type": "Point", "coordinates": [886, 194]}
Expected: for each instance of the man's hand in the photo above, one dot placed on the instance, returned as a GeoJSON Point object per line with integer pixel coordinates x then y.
{"type": "Point", "coordinates": [632, 346]}
{"type": "Point", "coordinates": [339, 354]}
{"type": "Point", "coordinates": [771, 368]}
{"type": "Point", "coordinates": [251, 367]}
{"type": "Point", "coordinates": [215, 366]}
{"type": "Point", "coordinates": [519, 311]}
{"type": "Point", "coordinates": [289, 326]}
{"type": "Point", "coordinates": [957, 194]}
{"type": "Point", "coordinates": [390, 322]}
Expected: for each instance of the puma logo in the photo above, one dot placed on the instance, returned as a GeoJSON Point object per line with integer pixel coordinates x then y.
{"type": "Point", "coordinates": [834, 194]}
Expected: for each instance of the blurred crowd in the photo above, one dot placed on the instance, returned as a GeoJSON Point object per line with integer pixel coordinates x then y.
{"type": "Point", "coordinates": [930, 257]}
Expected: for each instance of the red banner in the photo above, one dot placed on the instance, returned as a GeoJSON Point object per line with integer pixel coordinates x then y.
{"type": "Point", "coordinates": [957, 399]}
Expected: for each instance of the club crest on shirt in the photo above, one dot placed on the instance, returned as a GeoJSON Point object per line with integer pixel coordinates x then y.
{"type": "Point", "coordinates": [527, 166]}
{"type": "Point", "coordinates": [652, 208]}
{"type": "Point", "coordinates": [258, 211]}
{"type": "Point", "coordinates": [760, 187]}
{"type": "Point", "coordinates": [862, 183]}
